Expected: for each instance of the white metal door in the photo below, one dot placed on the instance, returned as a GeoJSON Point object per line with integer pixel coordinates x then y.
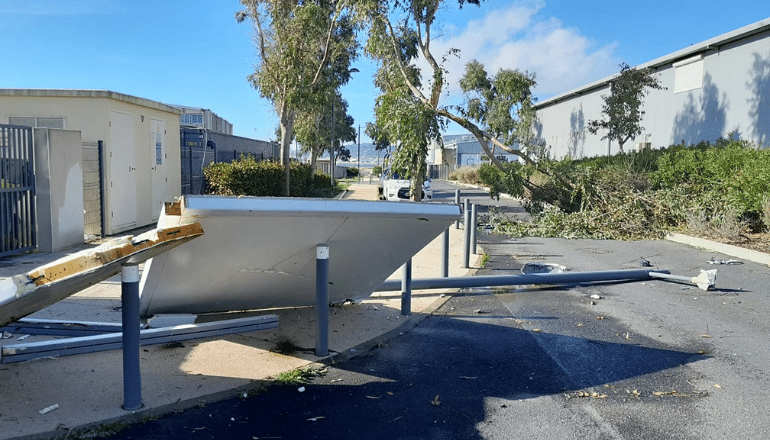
{"type": "Point", "coordinates": [122, 157]}
{"type": "Point", "coordinates": [158, 168]}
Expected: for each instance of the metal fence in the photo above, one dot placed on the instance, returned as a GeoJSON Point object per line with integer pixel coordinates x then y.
{"type": "Point", "coordinates": [17, 190]}
{"type": "Point", "coordinates": [92, 189]}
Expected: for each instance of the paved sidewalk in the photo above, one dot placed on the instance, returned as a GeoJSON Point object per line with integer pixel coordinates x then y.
{"type": "Point", "coordinates": [88, 388]}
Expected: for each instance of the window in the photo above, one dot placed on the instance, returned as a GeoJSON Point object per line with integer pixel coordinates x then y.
{"type": "Point", "coordinates": [688, 74]}
{"type": "Point", "coordinates": [30, 121]}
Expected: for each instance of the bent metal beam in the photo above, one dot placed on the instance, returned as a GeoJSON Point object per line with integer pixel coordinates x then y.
{"type": "Point", "coordinates": [516, 280]}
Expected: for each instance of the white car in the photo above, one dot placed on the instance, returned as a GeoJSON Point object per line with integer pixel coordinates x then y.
{"type": "Point", "coordinates": [395, 188]}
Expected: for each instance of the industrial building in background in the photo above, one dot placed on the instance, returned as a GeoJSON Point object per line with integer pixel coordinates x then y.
{"type": "Point", "coordinates": [205, 138]}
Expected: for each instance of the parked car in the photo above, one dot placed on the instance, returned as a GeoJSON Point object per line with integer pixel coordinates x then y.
{"type": "Point", "coordinates": [396, 188]}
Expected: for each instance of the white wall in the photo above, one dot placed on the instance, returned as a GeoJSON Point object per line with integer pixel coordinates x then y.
{"type": "Point", "coordinates": [88, 112]}
{"type": "Point", "coordinates": [732, 97]}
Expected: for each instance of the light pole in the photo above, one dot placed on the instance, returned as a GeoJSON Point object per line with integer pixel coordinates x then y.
{"type": "Point", "coordinates": [334, 134]}
{"type": "Point", "coordinates": [359, 153]}
{"type": "Point", "coordinates": [331, 150]}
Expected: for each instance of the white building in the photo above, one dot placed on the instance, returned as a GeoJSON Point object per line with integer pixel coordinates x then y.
{"type": "Point", "coordinates": [139, 140]}
{"type": "Point", "coordinates": [714, 88]}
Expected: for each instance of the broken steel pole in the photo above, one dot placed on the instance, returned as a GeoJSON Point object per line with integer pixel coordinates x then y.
{"type": "Point", "coordinates": [533, 278]}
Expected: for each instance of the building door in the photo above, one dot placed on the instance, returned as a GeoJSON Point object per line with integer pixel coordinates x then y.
{"type": "Point", "coordinates": [158, 168]}
{"type": "Point", "coordinates": [122, 157]}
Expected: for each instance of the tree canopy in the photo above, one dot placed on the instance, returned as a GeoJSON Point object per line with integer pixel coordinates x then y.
{"type": "Point", "coordinates": [622, 115]}
{"type": "Point", "coordinates": [304, 51]}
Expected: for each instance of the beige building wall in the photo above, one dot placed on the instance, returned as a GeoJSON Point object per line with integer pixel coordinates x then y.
{"type": "Point", "coordinates": [141, 176]}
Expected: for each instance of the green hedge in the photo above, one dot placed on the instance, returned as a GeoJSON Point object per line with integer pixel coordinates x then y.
{"type": "Point", "coordinates": [643, 194]}
{"type": "Point", "coordinates": [249, 177]}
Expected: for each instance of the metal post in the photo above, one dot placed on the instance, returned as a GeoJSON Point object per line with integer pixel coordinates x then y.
{"type": "Point", "coordinates": [467, 236]}
{"type": "Point", "coordinates": [474, 221]}
{"type": "Point", "coordinates": [406, 289]}
{"type": "Point", "coordinates": [334, 144]}
{"type": "Point", "coordinates": [457, 202]}
{"type": "Point", "coordinates": [132, 377]}
{"type": "Point", "coordinates": [322, 300]}
{"type": "Point", "coordinates": [359, 153]}
{"type": "Point", "coordinates": [445, 254]}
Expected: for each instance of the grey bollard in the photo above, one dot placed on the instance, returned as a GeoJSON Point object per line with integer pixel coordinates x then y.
{"type": "Point", "coordinates": [457, 202]}
{"type": "Point", "coordinates": [406, 289]}
{"type": "Point", "coordinates": [445, 254]}
{"type": "Point", "coordinates": [322, 300]}
{"type": "Point", "coordinates": [129, 297]}
{"type": "Point", "coordinates": [474, 221]}
{"type": "Point", "coordinates": [467, 235]}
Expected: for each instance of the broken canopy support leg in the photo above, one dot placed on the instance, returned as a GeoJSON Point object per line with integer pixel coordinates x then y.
{"type": "Point", "coordinates": [406, 289]}
{"type": "Point", "coordinates": [322, 300]}
{"type": "Point", "coordinates": [132, 379]}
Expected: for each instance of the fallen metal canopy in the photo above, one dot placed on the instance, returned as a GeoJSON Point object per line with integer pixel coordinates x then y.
{"type": "Point", "coordinates": [21, 295]}
{"type": "Point", "coordinates": [260, 252]}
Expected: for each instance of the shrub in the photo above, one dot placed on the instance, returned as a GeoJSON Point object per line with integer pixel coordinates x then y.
{"type": "Point", "coordinates": [249, 177]}
{"type": "Point", "coordinates": [715, 190]}
{"type": "Point", "coordinates": [465, 175]}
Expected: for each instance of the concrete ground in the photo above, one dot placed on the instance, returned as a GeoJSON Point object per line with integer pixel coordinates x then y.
{"type": "Point", "coordinates": [87, 389]}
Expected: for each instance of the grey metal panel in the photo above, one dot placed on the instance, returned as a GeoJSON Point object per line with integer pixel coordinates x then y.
{"type": "Point", "coordinates": [259, 252]}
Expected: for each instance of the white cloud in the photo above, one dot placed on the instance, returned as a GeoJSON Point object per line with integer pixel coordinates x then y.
{"type": "Point", "coordinates": [515, 38]}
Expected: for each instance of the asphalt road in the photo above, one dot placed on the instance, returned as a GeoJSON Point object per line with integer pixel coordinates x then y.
{"type": "Point", "coordinates": [614, 360]}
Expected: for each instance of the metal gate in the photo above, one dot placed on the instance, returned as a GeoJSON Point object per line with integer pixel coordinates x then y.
{"type": "Point", "coordinates": [93, 201]}
{"type": "Point", "coordinates": [18, 228]}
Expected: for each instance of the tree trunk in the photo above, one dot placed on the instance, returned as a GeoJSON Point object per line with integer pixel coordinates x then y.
{"type": "Point", "coordinates": [287, 133]}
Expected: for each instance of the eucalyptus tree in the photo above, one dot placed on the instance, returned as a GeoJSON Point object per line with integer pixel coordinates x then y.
{"type": "Point", "coordinates": [304, 51]}
{"type": "Point", "coordinates": [499, 110]}
{"type": "Point", "coordinates": [314, 129]}
{"type": "Point", "coordinates": [622, 115]}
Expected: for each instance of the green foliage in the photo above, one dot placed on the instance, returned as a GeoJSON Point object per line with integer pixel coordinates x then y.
{"type": "Point", "coordinates": [734, 168]}
{"type": "Point", "coordinates": [249, 177]}
{"type": "Point", "coordinates": [377, 171]}
{"type": "Point", "coordinates": [706, 189]}
{"type": "Point", "coordinates": [466, 175]}
{"type": "Point", "coordinates": [300, 376]}
{"type": "Point", "coordinates": [501, 104]}
{"type": "Point", "coordinates": [510, 180]}
{"type": "Point", "coordinates": [622, 108]}
{"type": "Point", "coordinates": [304, 51]}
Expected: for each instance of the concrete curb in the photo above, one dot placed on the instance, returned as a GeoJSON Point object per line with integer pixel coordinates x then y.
{"type": "Point", "coordinates": [714, 246]}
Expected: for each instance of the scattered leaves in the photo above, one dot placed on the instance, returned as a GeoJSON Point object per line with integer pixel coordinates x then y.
{"type": "Point", "coordinates": [717, 386]}
{"type": "Point", "coordinates": [665, 393]}
{"type": "Point", "coordinates": [600, 318]}
{"type": "Point", "coordinates": [705, 336]}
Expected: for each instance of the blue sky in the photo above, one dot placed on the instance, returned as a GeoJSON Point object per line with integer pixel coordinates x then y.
{"type": "Point", "coordinates": [194, 53]}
